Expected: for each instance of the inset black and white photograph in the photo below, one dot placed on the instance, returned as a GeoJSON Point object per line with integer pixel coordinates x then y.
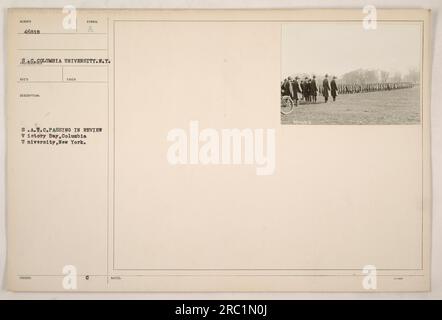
{"type": "Point", "coordinates": [342, 73]}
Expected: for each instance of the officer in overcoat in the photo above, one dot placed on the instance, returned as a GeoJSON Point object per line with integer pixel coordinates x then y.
{"type": "Point", "coordinates": [334, 88]}
{"type": "Point", "coordinates": [325, 88]}
{"type": "Point", "coordinates": [313, 88]}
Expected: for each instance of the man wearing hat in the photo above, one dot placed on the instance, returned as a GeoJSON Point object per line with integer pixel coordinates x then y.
{"type": "Point", "coordinates": [287, 87]}
{"type": "Point", "coordinates": [325, 88]}
{"type": "Point", "coordinates": [296, 89]}
{"type": "Point", "coordinates": [305, 90]}
{"type": "Point", "coordinates": [313, 89]}
{"type": "Point", "coordinates": [334, 88]}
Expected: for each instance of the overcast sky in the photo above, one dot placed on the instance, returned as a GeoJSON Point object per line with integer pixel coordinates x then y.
{"type": "Point", "coordinates": [339, 47]}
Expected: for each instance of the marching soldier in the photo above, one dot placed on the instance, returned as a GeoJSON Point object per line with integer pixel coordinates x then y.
{"type": "Point", "coordinates": [304, 88]}
{"type": "Point", "coordinates": [296, 89]}
{"type": "Point", "coordinates": [334, 88]}
{"type": "Point", "coordinates": [313, 89]}
{"type": "Point", "coordinates": [325, 88]}
{"type": "Point", "coordinates": [310, 92]}
{"type": "Point", "coordinates": [283, 85]}
{"type": "Point", "coordinates": [287, 87]}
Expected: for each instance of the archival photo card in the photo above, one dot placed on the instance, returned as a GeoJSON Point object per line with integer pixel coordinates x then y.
{"type": "Point", "coordinates": [153, 150]}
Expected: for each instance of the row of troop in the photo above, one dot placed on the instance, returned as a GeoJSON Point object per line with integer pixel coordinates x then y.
{"type": "Point", "coordinates": [372, 87]}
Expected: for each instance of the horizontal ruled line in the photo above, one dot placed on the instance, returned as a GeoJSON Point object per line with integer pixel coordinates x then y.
{"type": "Point", "coordinates": [61, 81]}
{"type": "Point", "coordinates": [62, 33]}
{"type": "Point", "coordinates": [62, 49]}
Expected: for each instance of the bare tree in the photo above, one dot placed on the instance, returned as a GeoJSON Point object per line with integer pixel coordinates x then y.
{"type": "Point", "coordinates": [384, 75]}
{"type": "Point", "coordinates": [397, 77]}
{"type": "Point", "coordinates": [413, 75]}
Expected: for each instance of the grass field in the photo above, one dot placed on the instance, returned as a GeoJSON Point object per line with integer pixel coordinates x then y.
{"type": "Point", "coordinates": [399, 106]}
